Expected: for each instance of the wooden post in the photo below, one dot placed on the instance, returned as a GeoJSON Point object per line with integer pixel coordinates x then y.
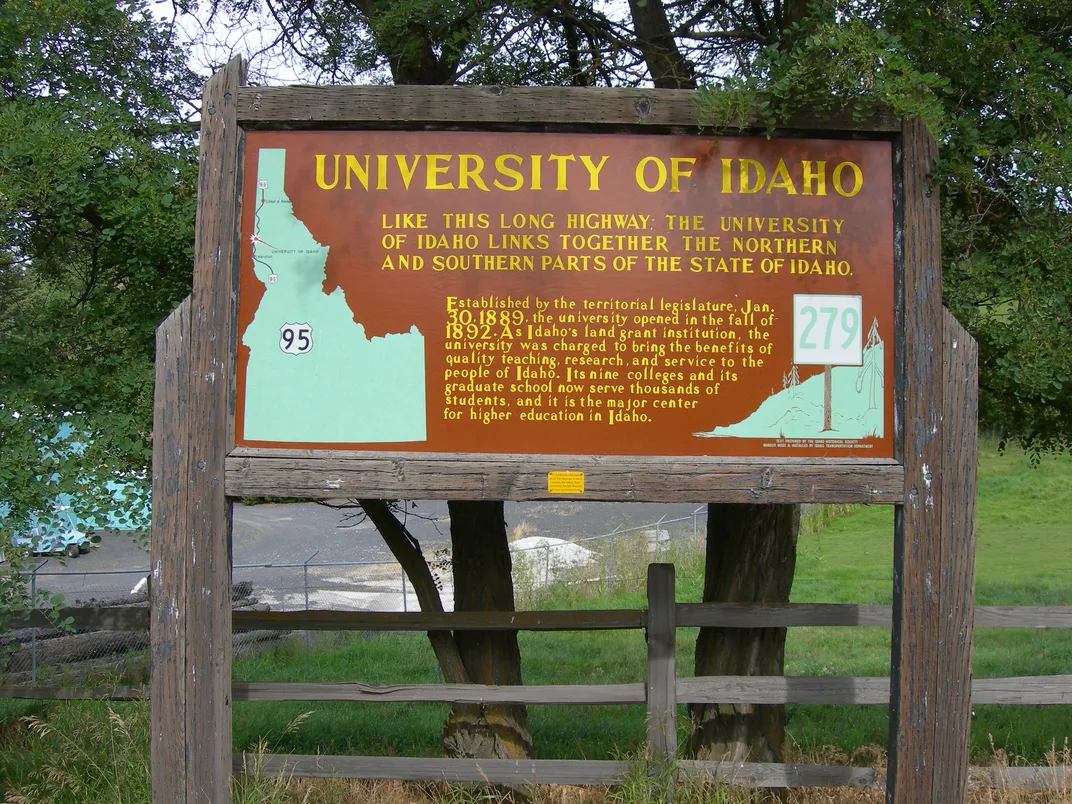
{"type": "Point", "coordinates": [191, 542]}
{"type": "Point", "coordinates": [167, 585]}
{"type": "Point", "coordinates": [960, 447]}
{"type": "Point", "coordinates": [662, 676]}
{"type": "Point", "coordinates": [943, 656]}
{"type": "Point", "coordinates": [918, 522]}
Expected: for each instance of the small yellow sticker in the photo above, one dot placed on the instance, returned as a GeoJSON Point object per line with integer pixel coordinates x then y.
{"type": "Point", "coordinates": [565, 482]}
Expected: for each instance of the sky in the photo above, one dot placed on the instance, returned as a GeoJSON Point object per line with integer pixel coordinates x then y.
{"type": "Point", "coordinates": [213, 39]}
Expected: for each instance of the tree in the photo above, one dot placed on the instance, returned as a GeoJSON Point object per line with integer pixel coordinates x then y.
{"type": "Point", "coordinates": [97, 194]}
{"type": "Point", "coordinates": [756, 565]}
{"type": "Point", "coordinates": [483, 582]}
{"type": "Point", "coordinates": [97, 188]}
{"type": "Point", "coordinates": [1006, 169]}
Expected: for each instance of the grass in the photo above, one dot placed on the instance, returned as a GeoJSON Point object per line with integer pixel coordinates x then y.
{"type": "Point", "coordinates": [844, 555]}
{"type": "Point", "coordinates": [1024, 558]}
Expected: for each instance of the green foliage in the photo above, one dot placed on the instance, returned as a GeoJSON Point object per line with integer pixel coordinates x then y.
{"type": "Point", "coordinates": [97, 193]}
{"type": "Point", "coordinates": [97, 188]}
{"type": "Point", "coordinates": [1006, 169]}
{"type": "Point", "coordinates": [830, 67]}
{"type": "Point", "coordinates": [73, 753]}
{"type": "Point", "coordinates": [650, 782]}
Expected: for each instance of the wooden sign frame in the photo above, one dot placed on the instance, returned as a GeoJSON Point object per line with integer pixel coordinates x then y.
{"type": "Point", "coordinates": [197, 471]}
{"type": "Point", "coordinates": [324, 473]}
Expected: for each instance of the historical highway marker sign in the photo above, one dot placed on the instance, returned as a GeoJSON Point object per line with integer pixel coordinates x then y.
{"type": "Point", "coordinates": [566, 294]}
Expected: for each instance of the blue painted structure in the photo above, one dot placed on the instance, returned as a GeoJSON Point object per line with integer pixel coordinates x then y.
{"type": "Point", "coordinates": [68, 528]}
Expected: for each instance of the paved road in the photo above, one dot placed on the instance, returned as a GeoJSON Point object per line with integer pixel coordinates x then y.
{"type": "Point", "coordinates": [293, 534]}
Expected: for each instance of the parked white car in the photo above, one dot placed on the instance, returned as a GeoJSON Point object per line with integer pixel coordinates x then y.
{"type": "Point", "coordinates": [54, 534]}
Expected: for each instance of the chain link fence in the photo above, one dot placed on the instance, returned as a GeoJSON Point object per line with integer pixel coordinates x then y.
{"type": "Point", "coordinates": [58, 657]}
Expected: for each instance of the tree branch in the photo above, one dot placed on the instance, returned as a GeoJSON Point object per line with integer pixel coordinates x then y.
{"type": "Point", "coordinates": [726, 35]}
{"type": "Point", "coordinates": [407, 550]}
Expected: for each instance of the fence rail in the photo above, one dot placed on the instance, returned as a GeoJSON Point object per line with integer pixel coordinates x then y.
{"type": "Point", "coordinates": [567, 771]}
{"type": "Point", "coordinates": [550, 771]}
{"type": "Point", "coordinates": [829, 690]}
{"type": "Point", "coordinates": [721, 615]}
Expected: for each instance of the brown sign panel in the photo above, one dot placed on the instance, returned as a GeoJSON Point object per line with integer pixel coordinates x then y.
{"type": "Point", "coordinates": [528, 293]}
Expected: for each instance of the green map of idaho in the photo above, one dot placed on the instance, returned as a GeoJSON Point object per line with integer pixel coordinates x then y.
{"type": "Point", "coordinates": [312, 375]}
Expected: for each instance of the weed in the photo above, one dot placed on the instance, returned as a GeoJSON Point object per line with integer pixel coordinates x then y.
{"type": "Point", "coordinates": [521, 530]}
{"type": "Point", "coordinates": [1005, 785]}
{"type": "Point", "coordinates": [83, 754]}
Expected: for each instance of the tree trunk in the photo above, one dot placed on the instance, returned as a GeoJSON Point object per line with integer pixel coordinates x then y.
{"type": "Point", "coordinates": [669, 69]}
{"type": "Point", "coordinates": [423, 52]}
{"type": "Point", "coordinates": [751, 556]}
{"type": "Point", "coordinates": [483, 582]}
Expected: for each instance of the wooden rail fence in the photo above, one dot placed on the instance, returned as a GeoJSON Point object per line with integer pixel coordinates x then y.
{"type": "Point", "coordinates": [661, 693]}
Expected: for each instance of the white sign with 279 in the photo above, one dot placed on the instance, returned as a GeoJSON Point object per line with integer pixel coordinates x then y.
{"type": "Point", "coordinates": [827, 331]}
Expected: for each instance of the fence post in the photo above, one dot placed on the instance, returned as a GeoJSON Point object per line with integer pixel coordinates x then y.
{"type": "Point", "coordinates": [33, 632]}
{"type": "Point", "coordinates": [960, 446]}
{"type": "Point", "coordinates": [934, 529]}
{"type": "Point", "coordinates": [611, 557]}
{"type": "Point", "coordinates": [193, 431]}
{"type": "Point", "coordinates": [405, 606]}
{"type": "Point", "coordinates": [305, 572]}
{"type": "Point", "coordinates": [662, 678]}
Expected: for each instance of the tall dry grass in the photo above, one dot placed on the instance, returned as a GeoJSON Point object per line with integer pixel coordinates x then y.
{"type": "Point", "coordinates": [100, 755]}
